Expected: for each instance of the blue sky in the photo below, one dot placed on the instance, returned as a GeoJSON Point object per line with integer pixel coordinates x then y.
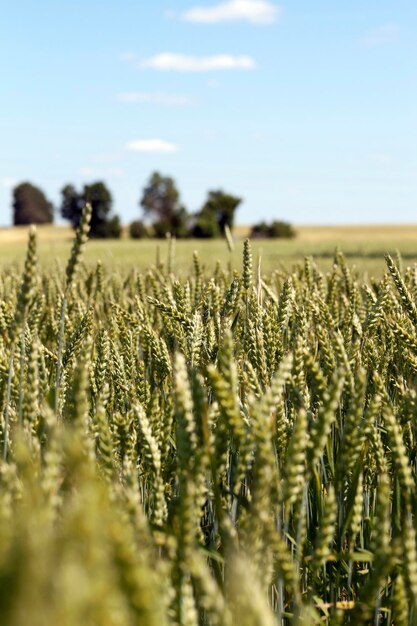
{"type": "Point", "coordinates": [307, 110]}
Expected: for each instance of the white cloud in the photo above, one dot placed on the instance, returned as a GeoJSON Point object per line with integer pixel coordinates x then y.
{"type": "Point", "coordinates": [8, 183]}
{"type": "Point", "coordinates": [185, 63]}
{"type": "Point", "coordinates": [381, 36]}
{"type": "Point", "coordinates": [151, 145]}
{"type": "Point", "coordinates": [255, 11]}
{"type": "Point", "coordinates": [164, 99]}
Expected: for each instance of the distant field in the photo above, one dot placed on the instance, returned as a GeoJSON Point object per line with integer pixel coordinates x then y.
{"type": "Point", "coordinates": [363, 232]}
{"type": "Point", "coordinates": [363, 245]}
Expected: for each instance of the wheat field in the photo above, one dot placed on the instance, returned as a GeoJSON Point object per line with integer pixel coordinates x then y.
{"type": "Point", "coordinates": [363, 246]}
{"type": "Point", "coordinates": [215, 447]}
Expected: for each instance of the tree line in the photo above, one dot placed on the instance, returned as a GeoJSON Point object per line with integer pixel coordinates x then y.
{"type": "Point", "coordinates": [162, 209]}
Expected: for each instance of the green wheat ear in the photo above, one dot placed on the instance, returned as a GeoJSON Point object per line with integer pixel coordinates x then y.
{"type": "Point", "coordinates": [220, 455]}
{"type": "Point", "coordinates": [80, 240]}
{"type": "Point", "coordinates": [28, 282]}
{"type": "Point", "coordinates": [326, 529]}
{"type": "Point", "coordinates": [78, 246]}
{"type": "Point", "coordinates": [229, 239]}
{"type": "Point", "coordinates": [23, 301]}
{"type": "Point", "coordinates": [247, 265]}
{"type": "Point", "coordinates": [406, 298]}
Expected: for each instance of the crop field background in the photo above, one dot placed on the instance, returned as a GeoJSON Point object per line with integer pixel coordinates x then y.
{"type": "Point", "coordinates": [208, 447]}
{"type": "Point", "coordinates": [364, 246]}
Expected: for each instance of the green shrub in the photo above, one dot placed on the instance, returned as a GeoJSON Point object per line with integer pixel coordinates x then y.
{"type": "Point", "coordinates": [276, 229]}
{"type": "Point", "coordinates": [138, 230]}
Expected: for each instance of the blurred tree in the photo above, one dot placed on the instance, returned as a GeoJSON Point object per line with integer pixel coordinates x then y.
{"type": "Point", "coordinates": [103, 225]}
{"type": "Point", "coordinates": [30, 206]}
{"type": "Point", "coordinates": [179, 223]}
{"type": "Point", "coordinates": [221, 206]}
{"type": "Point", "coordinates": [72, 205]}
{"type": "Point", "coordinates": [206, 226]}
{"type": "Point", "coordinates": [161, 204]}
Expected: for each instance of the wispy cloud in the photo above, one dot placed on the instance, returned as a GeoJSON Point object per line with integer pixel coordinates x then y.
{"type": "Point", "coordinates": [163, 99]}
{"type": "Point", "coordinates": [151, 145]}
{"type": "Point", "coordinates": [388, 33]}
{"type": "Point", "coordinates": [8, 183]}
{"type": "Point", "coordinates": [185, 63]}
{"type": "Point", "coordinates": [255, 11]}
